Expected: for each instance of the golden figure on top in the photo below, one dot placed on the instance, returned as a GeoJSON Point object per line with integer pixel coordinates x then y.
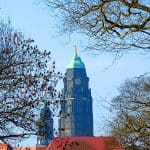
{"type": "Point", "coordinates": [75, 49]}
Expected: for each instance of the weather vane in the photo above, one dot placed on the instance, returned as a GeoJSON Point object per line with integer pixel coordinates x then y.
{"type": "Point", "coordinates": [75, 49]}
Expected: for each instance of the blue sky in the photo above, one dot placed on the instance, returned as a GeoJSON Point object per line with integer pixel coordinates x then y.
{"type": "Point", "coordinates": [35, 21]}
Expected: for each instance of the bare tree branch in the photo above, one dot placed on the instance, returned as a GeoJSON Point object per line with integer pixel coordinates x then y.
{"type": "Point", "coordinates": [115, 26]}
{"type": "Point", "coordinates": [26, 73]}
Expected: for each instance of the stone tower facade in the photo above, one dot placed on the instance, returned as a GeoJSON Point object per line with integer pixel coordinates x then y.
{"type": "Point", "coordinates": [76, 115]}
{"type": "Point", "coordinates": [45, 126]}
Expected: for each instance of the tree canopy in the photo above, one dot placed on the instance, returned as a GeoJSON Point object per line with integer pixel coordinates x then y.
{"type": "Point", "coordinates": [26, 73]}
{"type": "Point", "coordinates": [131, 125]}
{"type": "Point", "coordinates": [115, 26]}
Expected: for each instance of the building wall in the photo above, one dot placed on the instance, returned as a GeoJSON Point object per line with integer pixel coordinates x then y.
{"type": "Point", "coordinates": [76, 117]}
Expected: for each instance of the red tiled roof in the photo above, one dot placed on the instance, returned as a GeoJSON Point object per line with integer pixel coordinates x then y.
{"type": "Point", "coordinates": [76, 143]}
{"type": "Point", "coordinates": [85, 143]}
{"type": "Point", "coordinates": [3, 146]}
{"type": "Point", "coordinates": [31, 148]}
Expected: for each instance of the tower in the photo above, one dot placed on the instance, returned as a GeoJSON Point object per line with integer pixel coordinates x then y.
{"type": "Point", "coordinates": [76, 115]}
{"type": "Point", "coordinates": [45, 126]}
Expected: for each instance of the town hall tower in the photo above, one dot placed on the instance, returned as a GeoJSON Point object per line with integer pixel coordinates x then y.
{"type": "Point", "coordinates": [76, 115]}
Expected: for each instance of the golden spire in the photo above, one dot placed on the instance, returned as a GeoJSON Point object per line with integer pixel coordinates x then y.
{"type": "Point", "coordinates": [75, 49]}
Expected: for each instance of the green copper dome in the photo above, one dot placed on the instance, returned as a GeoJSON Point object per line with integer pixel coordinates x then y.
{"type": "Point", "coordinates": [75, 62]}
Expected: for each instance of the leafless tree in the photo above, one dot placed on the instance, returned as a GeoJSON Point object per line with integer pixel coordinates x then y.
{"type": "Point", "coordinates": [131, 125]}
{"type": "Point", "coordinates": [25, 74]}
{"type": "Point", "coordinates": [115, 26]}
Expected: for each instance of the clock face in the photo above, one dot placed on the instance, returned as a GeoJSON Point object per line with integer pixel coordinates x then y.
{"type": "Point", "coordinates": [77, 81]}
{"type": "Point", "coordinates": [69, 75]}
